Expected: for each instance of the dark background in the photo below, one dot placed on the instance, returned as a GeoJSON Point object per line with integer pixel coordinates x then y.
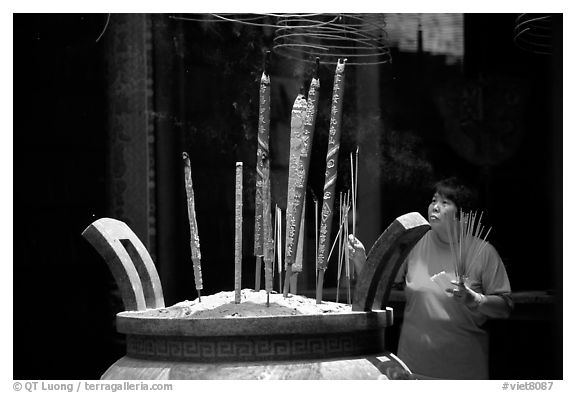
{"type": "Point", "coordinates": [64, 296]}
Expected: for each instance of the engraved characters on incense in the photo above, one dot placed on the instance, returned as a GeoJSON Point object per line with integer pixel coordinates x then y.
{"type": "Point", "coordinates": [262, 162]}
{"type": "Point", "coordinates": [293, 199]}
{"type": "Point", "coordinates": [331, 175]}
{"type": "Point", "coordinates": [194, 238]}
{"type": "Point", "coordinates": [238, 236]}
{"type": "Point", "coordinates": [302, 135]}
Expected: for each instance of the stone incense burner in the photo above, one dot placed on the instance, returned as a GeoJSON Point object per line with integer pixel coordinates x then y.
{"type": "Point", "coordinates": [167, 343]}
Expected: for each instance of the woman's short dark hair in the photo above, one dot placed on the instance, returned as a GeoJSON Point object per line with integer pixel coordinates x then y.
{"type": "Point", "coordinates": [463, 196]}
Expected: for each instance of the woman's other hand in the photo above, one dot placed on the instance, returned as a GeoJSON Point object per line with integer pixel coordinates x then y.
{"type": "Point", "coordinates": [357, 253]}
{"type": "Point", "coordinates": [463, 294]}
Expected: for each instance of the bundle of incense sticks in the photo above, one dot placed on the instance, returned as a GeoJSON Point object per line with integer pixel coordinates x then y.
{"type": "Point", "coordinates": [302, 126]}
{"type": "Point", "coordinates": [467, 240]}
{"type": "Point", "coordinates": [343, 253]}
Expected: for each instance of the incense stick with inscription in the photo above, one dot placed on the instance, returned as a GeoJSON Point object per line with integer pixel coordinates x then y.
{"type": "Point", "coordinates": [294, 177]}
{"type": "Point", "coordinates": [194, 238]}
{"type": "Point", "coordinates": [302, 134]}
{"type": "Point", "coordinates": [331, 175]}
{"type": "Point", "coordinates": [261, 163]}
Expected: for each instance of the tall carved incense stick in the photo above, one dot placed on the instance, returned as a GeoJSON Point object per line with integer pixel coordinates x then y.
{"type": "Point", "coordinates": [295, 172]}
{"type": "Point", "coordinates": [194, 238]}
{"type": "Point", "coordinates": [238, 236]}
{"type": "Point", "coordinates": [262, 162]}
{"type": "Point", "coordinates": [302, 133]}
{"type": "Point", "coordinates": [331, 175]}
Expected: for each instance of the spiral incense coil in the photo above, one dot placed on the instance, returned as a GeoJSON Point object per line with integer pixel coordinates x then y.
{"type": "Point", "coordinates": [258, 20]}
{"type": "Point", "coordinates": [194, 238]}
{"type": "Point", "coordinates": [361, 38]}
{"type": "Point", "coordinates": [533, 33]}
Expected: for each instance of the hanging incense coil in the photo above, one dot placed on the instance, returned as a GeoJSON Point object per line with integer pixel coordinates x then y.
{"type": "Point", "coordinates": [533, 33]}
{"type": "Point", "coordinates": [262, 20]}
{"type": "Point", "coordinates": [360, 38]}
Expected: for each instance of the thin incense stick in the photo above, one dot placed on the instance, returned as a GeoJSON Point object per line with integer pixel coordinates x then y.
{"type": "Point", "coordinates": [275, 237]}
{"type": "Point", "coordinates": [355, 193]}
{"type": "Point", "coordinates": [452, 236]}
{"type": "Point", "coordinates": [238, 237]}
{"type": "Point", "coordinates": [353, 187]}
{"type": "Point", "coordinates": [316, 234]}
{"type": "Point", "coordinates": [339, 251]}
{"type": "Point", "coordinates": [280, 259]}
{"type": "Point", "coordinates": [346, 252]}
{"type": "Point", "coordinates": [335, 240]}
{"type": "Point", "coordinates": [268, 243]}
{"type": "Point", "coordinates": [483, 244]}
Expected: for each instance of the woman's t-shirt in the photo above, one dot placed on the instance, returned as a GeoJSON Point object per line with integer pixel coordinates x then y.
{"type": "Point", "coordinates": [441, 338]}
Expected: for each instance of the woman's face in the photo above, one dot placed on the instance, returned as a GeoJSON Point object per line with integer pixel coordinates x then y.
{"type": "Point", "coordinates": [441, 212]}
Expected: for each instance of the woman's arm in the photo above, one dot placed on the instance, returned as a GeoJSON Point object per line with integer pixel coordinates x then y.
{"type": "Point", "coordinates": [493, 306]}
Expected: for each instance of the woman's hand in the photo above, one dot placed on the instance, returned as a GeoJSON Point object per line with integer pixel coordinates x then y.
{"type": "Point", "coordinates": [463, 294]}
{"type": "Point", "coordinates": [357, 252]}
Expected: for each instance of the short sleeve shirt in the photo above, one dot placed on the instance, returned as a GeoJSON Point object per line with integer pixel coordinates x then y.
{"type": "Point", "coordinates": [441, 338]}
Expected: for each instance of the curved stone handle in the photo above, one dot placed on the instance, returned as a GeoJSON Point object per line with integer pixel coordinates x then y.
{"type": "Point", "coordinates": [129, 261]}
{"type": "Point", "coordinates": [384, 259]}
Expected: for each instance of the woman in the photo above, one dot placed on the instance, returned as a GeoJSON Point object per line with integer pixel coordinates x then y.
{"type": "Point", "coordinates": [442, 334]}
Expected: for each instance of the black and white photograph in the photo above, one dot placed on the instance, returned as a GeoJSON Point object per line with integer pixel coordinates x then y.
{"type": "Point", "coordinates": [289, 196]}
